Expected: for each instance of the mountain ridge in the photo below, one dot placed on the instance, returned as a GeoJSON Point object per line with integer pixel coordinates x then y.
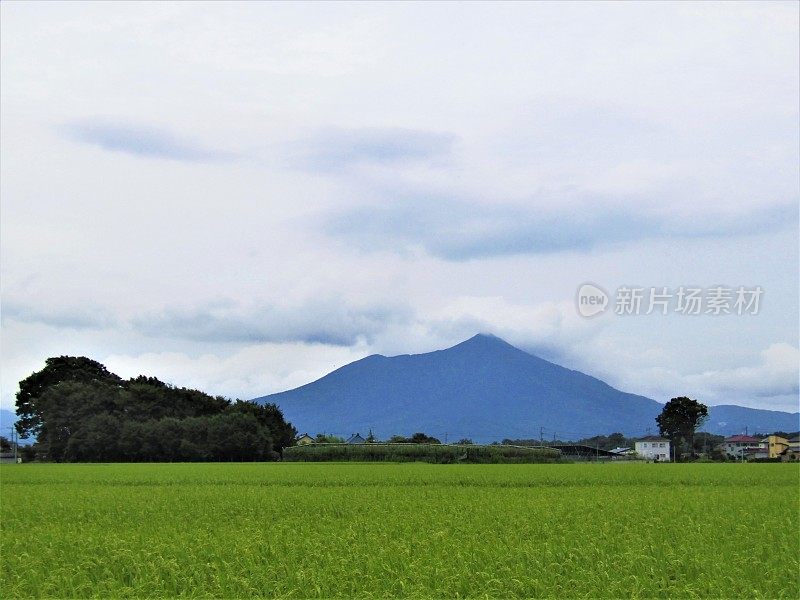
{"type": "Point", "coordinates": [486, 389]}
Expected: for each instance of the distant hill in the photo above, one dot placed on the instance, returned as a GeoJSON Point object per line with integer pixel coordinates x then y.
{"type": "Point", "coordinates": [484, 389]}
{"type": "Point", "coordinates": [729, 419]}
{"type": "Point", "coordinates": [7, 419]}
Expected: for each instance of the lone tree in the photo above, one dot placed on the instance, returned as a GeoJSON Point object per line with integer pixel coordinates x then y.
{"type": "Point", "coordinates": [679, 420]}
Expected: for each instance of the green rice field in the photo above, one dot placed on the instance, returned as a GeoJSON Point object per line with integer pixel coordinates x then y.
{"type": "Point", "coordinates": [331, 530]}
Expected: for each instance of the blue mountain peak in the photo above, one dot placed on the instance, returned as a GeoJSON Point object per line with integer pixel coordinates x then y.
{"type": "Point", "coordinates": [484, 389]}
{"type": "Point", "coordinates": [485, 341]}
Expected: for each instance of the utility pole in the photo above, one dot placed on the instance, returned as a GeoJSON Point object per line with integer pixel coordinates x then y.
{"type": "Point", "coordinates": [13, 443]}
{"type": "Point", "coordinates": [541, 435]}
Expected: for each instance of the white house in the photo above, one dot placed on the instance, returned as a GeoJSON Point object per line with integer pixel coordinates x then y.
{"type": "Point", "coordinates": [653, 448]}
{"type": "Point", "coordinates": [738, 446]}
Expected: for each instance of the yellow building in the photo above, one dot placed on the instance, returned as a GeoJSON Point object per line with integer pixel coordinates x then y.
{"type": "Point", "coordinates": [775, 444]}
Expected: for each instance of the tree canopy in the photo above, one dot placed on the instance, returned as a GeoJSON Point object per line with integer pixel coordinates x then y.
{"type": "Point", "coordinates": [679, 419]}
{"type": "Point", "coordinates": [79, 411]}
{"type": "Point", "coordinates": [57, 370]}
{"type": "Point", "coordinates": [417, 438]}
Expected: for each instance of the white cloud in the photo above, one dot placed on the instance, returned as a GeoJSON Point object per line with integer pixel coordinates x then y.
{"type": "Point", "coordinates": [247, 373]}
{"type": "Point", "coordinates": [683, 113]}
{"type": "Point", "coordinates": [776, 375]}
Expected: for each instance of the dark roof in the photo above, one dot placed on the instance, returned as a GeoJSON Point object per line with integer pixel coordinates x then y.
{"type": "Point", "coordinates": [652, 438]}
{"type": "Point", "coordinates": [580, 450]}
{"type": "Point", "coordinates": [742, 438]}
{"type": "Point", "coordinates": [356, 439]}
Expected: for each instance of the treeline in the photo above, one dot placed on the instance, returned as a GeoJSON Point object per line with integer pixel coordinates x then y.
{"type": "Point", "coordinates": [417, 438]}
{"type": "Point", "coordinates": [602, 442]}
{"type": "Point", "coordinates": [79, 411]}
{"type": "Point", "coordinates": [406, 452]}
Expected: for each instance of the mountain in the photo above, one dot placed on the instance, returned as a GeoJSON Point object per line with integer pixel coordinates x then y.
{"type": "Point", "coordinates": [7, 420]}
{"type": "Point", "coordinates": [484, 389]}
{"type": "Point", "coordinates": [729, 419]}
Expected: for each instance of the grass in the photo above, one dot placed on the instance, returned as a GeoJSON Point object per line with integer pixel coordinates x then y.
{"type": "Point", "coordinates": [388, 530]}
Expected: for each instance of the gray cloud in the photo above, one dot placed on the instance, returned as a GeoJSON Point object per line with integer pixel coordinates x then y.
{"type": "Point", "coordinates": [457, 231]}
{"type": "Point", "coordinates": [55, 317]}
{"type": "Point", "coordinates": [338, 148]}
{"type": "Point", "coordinates": [138, 140]}
{"type": "Point", "coordinates": [332, 322]}
{"type": "Point", "coordinates": [329, 321]}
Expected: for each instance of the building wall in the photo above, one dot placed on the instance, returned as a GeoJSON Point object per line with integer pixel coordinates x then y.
{"type": "Point", "coordinates": [791, 455]}
{"type": "Point", "coordinates": [654, 450]}
{"type": "Point", "coordinates": [775, 445]}
{"type": "Point", "coordinates": [736, 449]}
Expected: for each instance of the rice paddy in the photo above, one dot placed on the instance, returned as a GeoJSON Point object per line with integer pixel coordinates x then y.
{"type": "Point", "coordinates": [309, 530]}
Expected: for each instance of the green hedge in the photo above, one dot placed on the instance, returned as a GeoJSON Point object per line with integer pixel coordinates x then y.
{"type": "Point", "coordinates": [432, 453]}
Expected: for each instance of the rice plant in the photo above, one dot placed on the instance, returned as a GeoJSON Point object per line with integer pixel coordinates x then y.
{"type": "Point", "coordinates": [312, 530]}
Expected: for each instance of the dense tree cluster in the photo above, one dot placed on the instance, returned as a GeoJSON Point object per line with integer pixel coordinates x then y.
{"type": "Point", "coordinates": [417, 438]}
{"type": "Point", "coordinates": [322, 438]}
{"type": "Point", "coordinates": [79, 411]}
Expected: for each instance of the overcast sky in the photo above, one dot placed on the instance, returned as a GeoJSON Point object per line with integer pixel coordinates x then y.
{"type": "Point", "coordinates": [241, 197]}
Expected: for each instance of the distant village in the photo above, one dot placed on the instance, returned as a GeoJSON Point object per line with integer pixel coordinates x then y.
{"type": "Point", "coordinates": [743, 448]}
{"type": "Point", "coordinates": [736, 447]}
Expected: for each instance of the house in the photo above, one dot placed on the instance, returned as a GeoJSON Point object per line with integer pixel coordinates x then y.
{"type": "Point", "coordinates": [356, 439]}
{"type": "Point", "coordinates": [735, 445]}
{"type": "Point", "coordinates": [653, 448]}
{"type": "Point", "coordinates": [775, 445]}
{"type": "Point", "coordinates": [304, 440]}
{"type": "Point", "coordinates": [794, 443]}
{"type": "Point", "coordinates": [790, 454]}
{"type": "Point", "coordinates": [760, 451]}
